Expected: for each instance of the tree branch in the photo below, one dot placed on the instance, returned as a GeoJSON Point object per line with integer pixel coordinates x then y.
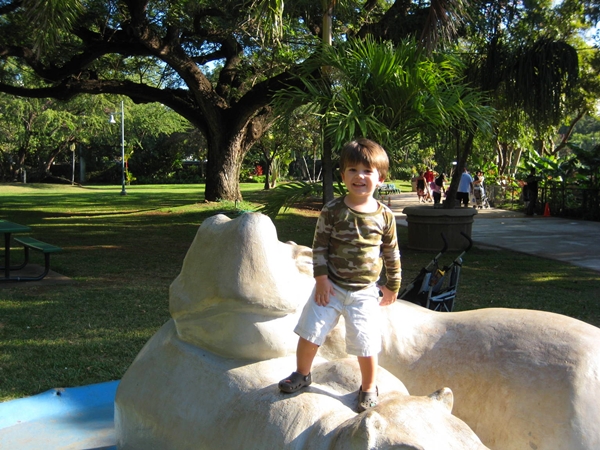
{"type": "Point", "coordinates": [179, 100]}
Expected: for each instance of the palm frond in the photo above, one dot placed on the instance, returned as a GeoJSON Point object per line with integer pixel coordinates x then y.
{"type": "Point", "coordinates": [541, 77]}
{"type": "Point", "coordinates": [284, 196]}
{"type": "Point", "coordinates": [390, 94]}
{"type": "Point", "coordinates": [51, 18]}
{"type": "Point", "coordinates": [268, 14]}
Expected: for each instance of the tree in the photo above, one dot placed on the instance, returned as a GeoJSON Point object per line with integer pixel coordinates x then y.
{"type": "Point", "coordinates": [220, 64]}
{"type": "Point", "coordinates": [532, 61]}
{"type": "Point", "coordinates": [391, 94]}
{"type": "Point", "coordinates": [37, 131]}
{"type": "Point", "coordinates": [41, 132]}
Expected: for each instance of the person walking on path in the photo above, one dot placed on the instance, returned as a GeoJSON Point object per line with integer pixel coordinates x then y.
{"type": "Point", "coordinates": [421, 193]}
{"type": "Point", "coordinates": [437, 189]}
{"type": "Point", "coordinates": [531, 185]}
{"type": "Point", "coordinates": [429, 177]}
{"type": "Point", "coordinates": [465, 187]}
{"type": "Point", "coordinates": [352, 235]}
{"type": "Point", "coordinates": [478, 182]}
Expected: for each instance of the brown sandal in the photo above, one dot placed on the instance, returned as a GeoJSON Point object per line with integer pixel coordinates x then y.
{"type": "Point", "coordinates": [367, 400]}
{"type": "Point", "coordinates": [294, 382]}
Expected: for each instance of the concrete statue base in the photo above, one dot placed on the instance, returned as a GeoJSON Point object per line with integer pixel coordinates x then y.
{"type": "Point", "coordinates": [426, 223]}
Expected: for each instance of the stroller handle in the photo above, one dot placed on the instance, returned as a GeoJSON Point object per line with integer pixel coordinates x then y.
{"type": "Point", "coordinates": [443, 250]}
{"type": "Point", "coordinates": [434, 261]}
{"type": "Point", "coordinates": [468, 238]}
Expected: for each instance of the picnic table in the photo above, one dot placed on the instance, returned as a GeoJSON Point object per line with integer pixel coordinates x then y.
{"type": "Point", "coordinates": [388, 188]}
{"type": "Point", "coordinates": [8, 228]}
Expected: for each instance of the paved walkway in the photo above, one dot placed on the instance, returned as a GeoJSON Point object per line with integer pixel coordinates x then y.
{"type": "Point", "coordinates": [573, 241]}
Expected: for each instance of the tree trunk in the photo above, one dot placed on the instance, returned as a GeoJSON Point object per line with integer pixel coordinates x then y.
{"type": "Point", "coordinates": [327, 168]}
{"type": "Point", "coordinates": [227, 145]}
{"type": "Point", "coordinates": [269, 162]}
{"type": "Point", "coordinates": [223, 168]}
{"type": "Point", "coordinates": [20, 165]}
{"type": "Point", "coordinates": [567, 133]}
{"type": "Point", "coordinates": [223, 172]}
{"type": "Point", "coordinates": [516, 159]}
{"type": "Point", "coordinates": [461, 158]}
{"type": "Point", "coordinates": [48, 164]}
{"type": "Point", "coordinates": [501, 157]}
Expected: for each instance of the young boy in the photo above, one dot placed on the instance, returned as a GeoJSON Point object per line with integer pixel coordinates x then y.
{"type": "Point", "coordinates": [352, 233]}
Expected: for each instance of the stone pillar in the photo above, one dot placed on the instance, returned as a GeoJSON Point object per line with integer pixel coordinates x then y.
{"type": "Point", "coordinates": [425, 225]}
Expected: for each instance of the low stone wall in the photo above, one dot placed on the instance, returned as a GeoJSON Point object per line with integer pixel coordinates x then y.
{"type": "Point", "coordinates": [425, 225]}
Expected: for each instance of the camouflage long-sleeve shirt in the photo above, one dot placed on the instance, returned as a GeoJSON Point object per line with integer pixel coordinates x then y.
{"type": "Point", "coordinates": [348, 246]}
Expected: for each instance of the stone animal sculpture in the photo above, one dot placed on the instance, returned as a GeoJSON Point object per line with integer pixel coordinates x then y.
{"type": "Point", "coordinates": [521, 379]}
{"type": "Point", "coordinates": [179, 397]}
{"type": "Point", "coordinates": [208, 378]}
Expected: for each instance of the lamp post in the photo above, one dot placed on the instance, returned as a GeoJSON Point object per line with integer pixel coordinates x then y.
{"type": "Point", "coordinates": [73, 147]}
{"type": "Point", "coordinates": [112, 120]}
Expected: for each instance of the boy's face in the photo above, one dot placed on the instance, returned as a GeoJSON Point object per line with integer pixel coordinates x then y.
{"type": "Point", "coordinates": [360, 180]}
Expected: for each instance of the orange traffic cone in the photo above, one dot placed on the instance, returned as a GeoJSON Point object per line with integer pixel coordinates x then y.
{"type": "Point", "coordinates": [547, 210]}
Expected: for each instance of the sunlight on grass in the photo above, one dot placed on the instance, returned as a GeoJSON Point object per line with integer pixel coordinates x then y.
{"type": "Point", "coordinates": [542, 278]}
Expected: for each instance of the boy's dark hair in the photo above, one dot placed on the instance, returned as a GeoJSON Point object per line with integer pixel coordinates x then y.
{"type": "Point", "coordinates": [367, 152]}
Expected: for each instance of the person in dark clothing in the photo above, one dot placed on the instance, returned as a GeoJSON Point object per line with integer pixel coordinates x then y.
{"type": "Point", "coordinates": [437, 188]}
{"type": "Point", "coordinates": [421, 188]}
{"type": "Point", "coordinates": [531, 184]}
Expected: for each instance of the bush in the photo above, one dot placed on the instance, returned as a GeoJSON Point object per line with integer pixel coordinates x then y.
{"type": "Point", "coordinates": [257, 179]}
{"type": "Point", "coordinates": [402, 173]}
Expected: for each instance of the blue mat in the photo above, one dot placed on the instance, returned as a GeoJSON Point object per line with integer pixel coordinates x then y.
{"type": "Point", "coordinates": [79, 418]}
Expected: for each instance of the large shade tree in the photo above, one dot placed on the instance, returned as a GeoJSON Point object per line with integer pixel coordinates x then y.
{"type": "Point", "coordinates": [216, 63]}
{"type": "Point", "coordinates": [219, 66]}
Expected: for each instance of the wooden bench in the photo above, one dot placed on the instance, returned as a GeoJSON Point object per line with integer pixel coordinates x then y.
{"type": "Point", "coordinates": [34, 244]}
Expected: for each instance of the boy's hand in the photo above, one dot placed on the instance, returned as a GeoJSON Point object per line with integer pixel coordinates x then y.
{"type": "Point", "coordinates": [323, 290]}
{"type": "Point", "coordinates": [389, 297]}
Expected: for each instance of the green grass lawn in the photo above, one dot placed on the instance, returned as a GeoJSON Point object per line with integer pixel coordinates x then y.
{"type": "Point", "coordinates": [123, 252]}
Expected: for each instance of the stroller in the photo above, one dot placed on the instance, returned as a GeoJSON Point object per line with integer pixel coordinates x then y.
{"type": "Point", "coordinates": [435, 288]}
{"type": "Point", "coordinates": [481, 200]}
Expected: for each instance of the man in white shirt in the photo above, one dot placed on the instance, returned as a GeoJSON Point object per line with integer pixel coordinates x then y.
{"type": "Point", "coordinates": [465, 187]}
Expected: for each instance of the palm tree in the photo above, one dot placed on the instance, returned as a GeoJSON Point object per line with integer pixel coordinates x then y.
{"type": "Point", "coordinates": [390, 94]}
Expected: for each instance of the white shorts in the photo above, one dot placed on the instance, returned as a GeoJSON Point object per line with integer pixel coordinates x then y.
{"type": "Point", "coordinates": [361, 312]}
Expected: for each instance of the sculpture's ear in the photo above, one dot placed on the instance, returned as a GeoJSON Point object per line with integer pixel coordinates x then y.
{"type": "Point", "coordinates": [361, 432]}
{"type": "Point", "coordinates": [374, 425]}
{"type": "Point", "coordinates": [445, 396]}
